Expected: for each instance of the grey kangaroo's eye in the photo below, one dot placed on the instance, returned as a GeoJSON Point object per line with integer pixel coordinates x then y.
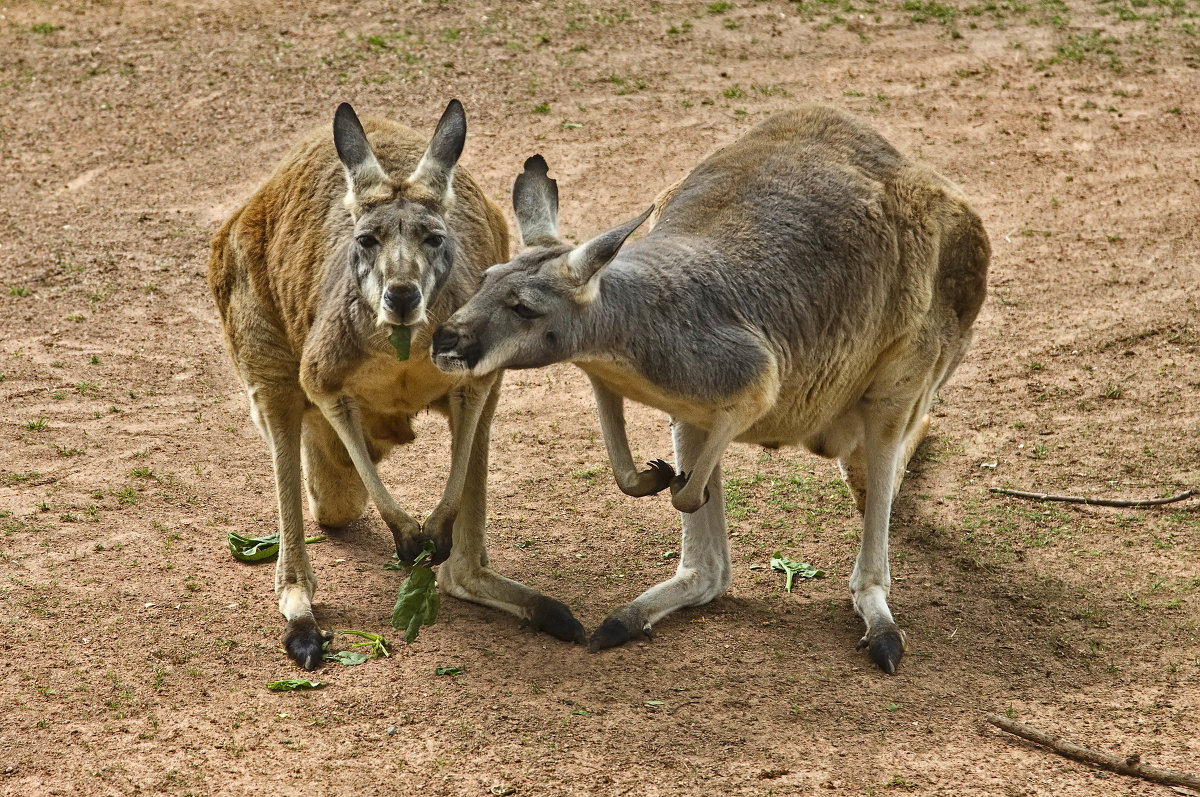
{"type": "Point", "coordinates": [367, 240]}
{"type": "Point", "coordinates": [525, 311]}
{"type": "Point", "coordinates": [435, 241]}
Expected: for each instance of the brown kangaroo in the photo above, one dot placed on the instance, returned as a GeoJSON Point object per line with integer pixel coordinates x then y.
{"type": "Point", "coordinates": [353, 236]}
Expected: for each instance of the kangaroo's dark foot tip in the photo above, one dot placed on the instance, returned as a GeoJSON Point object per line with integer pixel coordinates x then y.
{"type": "Point", "coordinates": [305, 642]}
{"type": "Point", "coordinates": [409, 550]}
{"type": "Point", "coordinates": [443, 547]}
{"type": "Point", "coordinates": [885, 650]}
{"type": "Point", "coordinates": [610, 634]}
{"type": "Point", "coordinates": [554, 618]}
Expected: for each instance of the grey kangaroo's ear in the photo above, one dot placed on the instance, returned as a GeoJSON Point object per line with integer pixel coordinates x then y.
{"type": "Point", "coordinates": [435, 171]}
{"type": "Point", "coordinates": [535, 201]}
{"type": "Point", "coordinates": [362, 169]}
{"type": "Point", "coordinates": [591, 256]}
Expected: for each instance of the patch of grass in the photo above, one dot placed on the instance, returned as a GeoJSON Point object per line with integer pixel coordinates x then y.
{"type": "Point", "coordinates": [927, 10]}
{"type": "Point", "coordinates": [770, 91]}
{"type": "Point", "coordinates": [36, 426]}
{"type": "Point", "coordinates": [18, 290]}
{"type": "Point", "coordinates": [542, 107]}
{"type": "Point", "coordinates": [733, 92]}
{"type": "Point", "coordinates": [626, 85]}
{"type": "Point", "coordinates": [1082, 46]}
{"type": "Point", "coordinates": [44, 28]}
{"type": "Point", "coordinates": [588, 474]}
{"type": "Point", "coordinates": [719, 7]}
{"type": "Point", "coordinates": [127, 496]}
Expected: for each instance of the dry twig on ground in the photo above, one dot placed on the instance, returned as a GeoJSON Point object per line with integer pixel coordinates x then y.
{"type": "Point", "coordinates": [1130, 765]}
{"type": "Point", "coordinates": [1073, 499]}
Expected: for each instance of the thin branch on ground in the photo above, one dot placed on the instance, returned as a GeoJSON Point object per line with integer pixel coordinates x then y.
{"type": "Point", "coordinates": [1074, 499]}
{"type": "Point", "coordinates": [1130, 765]}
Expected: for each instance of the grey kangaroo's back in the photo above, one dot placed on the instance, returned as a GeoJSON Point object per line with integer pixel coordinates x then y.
{"type": "Point", "coordinates": [814, 233]}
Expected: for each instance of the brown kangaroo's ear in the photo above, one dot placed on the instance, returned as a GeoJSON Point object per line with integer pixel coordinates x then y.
{"type": "Point", "coordinates": [363, 171]}
{"type": "Point", "coordinates": [435, 171]}
{"type": "Point", "coordinates": [535, 201]}
{"type": "Point", "coordinates": [591, 256]}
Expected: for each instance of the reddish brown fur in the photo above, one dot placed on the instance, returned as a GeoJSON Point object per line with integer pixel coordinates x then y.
{"type": "Point", "coordinates": [324, 382]}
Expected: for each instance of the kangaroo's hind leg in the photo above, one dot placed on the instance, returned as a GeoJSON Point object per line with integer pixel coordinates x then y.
{"type": "Point", "coordinates": [874, 470]}
{"type": "Point", "coordinates": [336, 493]}
{"type": "Point", "coordinates": [466, 574]}
{"type": "Point", "coordinates": [277, 408]}
{"type": "Point", "coordinates": [705, 569]}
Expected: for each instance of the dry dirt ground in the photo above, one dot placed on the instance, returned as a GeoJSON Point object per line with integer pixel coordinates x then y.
{"type": "Point", "coordinates": [136, 650]}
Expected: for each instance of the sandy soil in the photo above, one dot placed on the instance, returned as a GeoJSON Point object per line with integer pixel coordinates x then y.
{"type": "Point", "coordinates": [136, 651]}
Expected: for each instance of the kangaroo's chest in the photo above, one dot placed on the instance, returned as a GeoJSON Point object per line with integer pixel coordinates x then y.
{"type": "Point", "coordinates": [384, 385]}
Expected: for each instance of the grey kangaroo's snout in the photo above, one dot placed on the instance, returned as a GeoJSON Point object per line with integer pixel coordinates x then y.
{"type": "Point", "coordinates": [402, 299]}
{"type": "Point", "coordinates": [453, 350]}
{"type": "Point", "coordinates": [444, 340]}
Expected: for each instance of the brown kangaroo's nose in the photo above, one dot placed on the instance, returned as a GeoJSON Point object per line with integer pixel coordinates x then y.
{"type": "Point", "coordinates": [402, 300]}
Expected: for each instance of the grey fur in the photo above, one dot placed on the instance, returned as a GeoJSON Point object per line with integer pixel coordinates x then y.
{"type": "Point", "coordinates": [804, 285]}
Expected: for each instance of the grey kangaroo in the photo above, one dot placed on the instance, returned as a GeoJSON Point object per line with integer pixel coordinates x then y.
{"type": "Point", "coordinates": [353, 235]}
{"type": "Point", "coordinates": [805, 285]}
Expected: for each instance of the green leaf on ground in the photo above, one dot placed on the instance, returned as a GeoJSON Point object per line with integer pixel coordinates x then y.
{"type": "Point", "coordinates": [448, 671]}
{"type": "Point", "coordinates": [793, 568]}
{"type": "Point", "coordinates": [418, 601]}
{"type": "Point", "coordinates": [258, 549]}
{"type": "Point", "coordinates": [347, 657]}
{"type": "Point", "coordinates": [289, 684]}
{"type": "Point", "coordinates": [375, 644]}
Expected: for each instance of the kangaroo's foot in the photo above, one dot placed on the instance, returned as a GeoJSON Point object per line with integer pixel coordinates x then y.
{"type": "Point", "coordinates": [885, 647]}
{"type": "Point", "coordinates": [305, 642]}
{"type": "Point", "coordinates": [618, 628]}
{"type": "Point", "coordinates": [553, 617]}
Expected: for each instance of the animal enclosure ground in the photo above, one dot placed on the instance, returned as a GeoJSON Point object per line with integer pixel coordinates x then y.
{"type": "Point", "coordinates": [137, 651]}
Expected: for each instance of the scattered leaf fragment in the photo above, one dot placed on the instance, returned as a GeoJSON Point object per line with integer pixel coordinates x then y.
{"type": "Point", "coordinates": [376, 645]}
{"type": "Point", "coordinates": [793, 568]}
{"type": "Point", "coordinates": [258, 549]}
{"type": "Point", "coordinates": [448, 671]}
{"type": "Point", "coordinates": [291, 684]}
{"type": "Point", "coordinates": [347, 657]}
